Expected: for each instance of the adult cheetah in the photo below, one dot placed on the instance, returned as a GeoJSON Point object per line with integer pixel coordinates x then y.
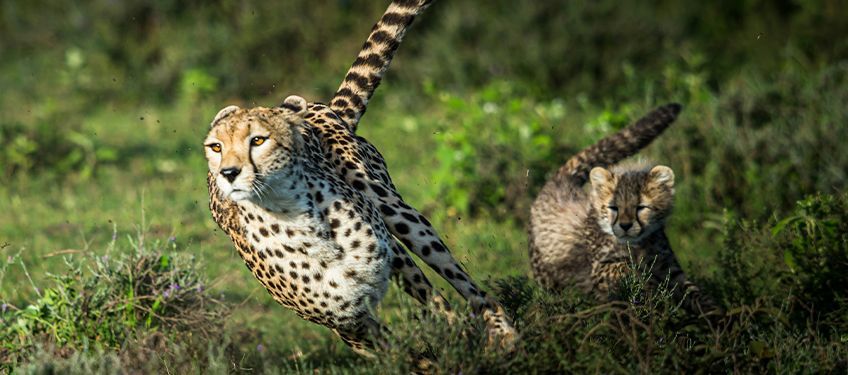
{"type": "Point", "coordinates": [312, 210]}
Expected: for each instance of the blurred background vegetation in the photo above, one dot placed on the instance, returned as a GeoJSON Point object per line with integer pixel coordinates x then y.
{"type": "Point", "coordinates": [104, 105]}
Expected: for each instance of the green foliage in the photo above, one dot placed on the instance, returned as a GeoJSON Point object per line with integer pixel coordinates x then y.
{"type": "Point", "coordinates": [51, 145]}
{"type": "Point", "coordinates": [782, 328]}
{"type": "Point", "coordinates": [803, 257]}
{"type": "Point", "coordinates": [103, 302]}
{"type": "Point", "coordinates": [489, 143]}
{"type": "Point", "coordinates": [496, 147]}
{"type": "Point", "coordinates": [195, 83]}
{"type": "Point", "coordinates": [106, 100]}
{"type": "Point", "coordinates": [814, 242]}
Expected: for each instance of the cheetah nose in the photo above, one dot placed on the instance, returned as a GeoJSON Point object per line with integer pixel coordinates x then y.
{"type": "Point", "coordinates": [230, 173]}
{"type": "Point", "coordinates": [625, 226]}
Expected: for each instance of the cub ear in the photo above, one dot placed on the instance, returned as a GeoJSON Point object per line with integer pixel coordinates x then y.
{"type": "Point", "coordinates": [662, 176]}
{"type": "Point", "coordinates": [295, 104]}
{"type": "Point", "coordinates": [223, 113]}
{"type": "Point", "coordinates": [600, 178]}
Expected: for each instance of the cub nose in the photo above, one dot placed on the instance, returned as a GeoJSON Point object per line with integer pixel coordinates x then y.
{"type": "Point", "coordinates": [230, 173]}
{"type": "Point", "coordinates": [625, 226]}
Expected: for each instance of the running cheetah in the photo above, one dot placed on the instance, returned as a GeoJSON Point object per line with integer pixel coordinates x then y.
{"type": "Point", "coordinates": [313, 212]}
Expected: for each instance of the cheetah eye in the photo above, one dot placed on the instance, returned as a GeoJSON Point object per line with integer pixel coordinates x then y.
{"type": "Point", "coordinates": [256, 141]}
{"type": "Point", "coordinates": [613, 208]}
{"type": "Point", "coordinates": [641, 207]}
{"type": "Point", "coordinates": [216, 147]}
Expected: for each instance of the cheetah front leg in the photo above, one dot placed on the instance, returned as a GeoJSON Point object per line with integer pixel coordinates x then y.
{"type": "Point", "coordinates": [366, 334]}
{"type": "Point", "coordinates": [416, 232]}
{"type": "Point", "coordinates": [363, 335]}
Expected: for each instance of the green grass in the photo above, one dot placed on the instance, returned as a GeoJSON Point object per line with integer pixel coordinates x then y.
{"type": "Point", "coordinates": [105, 106]}
{"type": "Point", "coordinates": [154, 191]}
{"type": "Point", "coordinates": [160, 192]}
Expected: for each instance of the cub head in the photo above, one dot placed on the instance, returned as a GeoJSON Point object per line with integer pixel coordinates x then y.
{"type": "Point", "coordinates": [632, 204]}
{"type": "Point", "coordinates": [250, 150]}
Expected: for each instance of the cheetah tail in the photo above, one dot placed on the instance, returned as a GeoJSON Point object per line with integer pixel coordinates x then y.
{"type": "Point", "coordinates": [618, 146]}
{"type": "Point", "coordinates": [363, 77]}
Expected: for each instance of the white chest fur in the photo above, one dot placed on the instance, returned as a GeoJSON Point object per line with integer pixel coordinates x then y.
{"type": "Point", "coordinates": [324, 262]}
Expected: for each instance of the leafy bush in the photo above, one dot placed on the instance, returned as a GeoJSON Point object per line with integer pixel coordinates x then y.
{"type": "Point", "coordinates": [496, 147]}
{"type": "Point", "coordinates": [489, 144]}
{"type": "Point", "coordinates": [814, 242]}
{"type": "Point", "coordinates": [783, 284]}
{"type": "Point", "coordinates": [107, 302]}
{"type": "Point", "coordinates": [48, 148]}
{"type": "Point", "coordinates": [802, 258]}
{"type": "Point", "coordinates": [782, 316]}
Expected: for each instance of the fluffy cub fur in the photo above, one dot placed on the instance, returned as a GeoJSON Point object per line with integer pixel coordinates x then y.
{"type": "Point", "coordinates": [589, 240]}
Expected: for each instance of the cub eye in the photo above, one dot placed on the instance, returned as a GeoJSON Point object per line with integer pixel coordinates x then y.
{"type": "Point", "coordinates": [216, 147]}
{"type": "Point", "coordinates": [641, 207]}
{"type": "Point", "coordinates": [613, 208]}
{"type": "Point", "coordinates": [256, 141]}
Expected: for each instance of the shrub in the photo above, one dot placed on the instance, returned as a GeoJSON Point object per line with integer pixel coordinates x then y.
{"type": "Point", "coordinates": [53, 144]}
{"type": "Point", "coordinates": [814, 242]}
{"type": "Point", "coordinates": [110, 302]}
{"type": "Point", "coordinates": [497, 147]}
{"type": "Point", "coordinates": [803, 258]}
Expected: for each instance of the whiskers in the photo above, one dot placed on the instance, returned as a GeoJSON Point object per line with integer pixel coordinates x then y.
{"type": "Point", "coordinates": [260, 188]}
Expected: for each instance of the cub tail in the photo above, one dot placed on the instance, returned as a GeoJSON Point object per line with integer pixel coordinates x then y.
{"type": "Point", "coordinates": [616, 147]}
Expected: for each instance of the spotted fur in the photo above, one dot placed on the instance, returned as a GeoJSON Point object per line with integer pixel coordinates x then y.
{"type": "Point", "coordinates": [347, 204]}
{"type": "Point", "coordinates": [589, 240]}
{"type": "Point", "coordinates": [363, 77]}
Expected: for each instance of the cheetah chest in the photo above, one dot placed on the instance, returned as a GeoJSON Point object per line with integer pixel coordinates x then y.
{"type": "Point", "coordinates": [329, 264]}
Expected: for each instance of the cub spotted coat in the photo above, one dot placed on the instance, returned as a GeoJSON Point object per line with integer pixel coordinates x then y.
{"type": "Point", "coordinates": [589, 240]}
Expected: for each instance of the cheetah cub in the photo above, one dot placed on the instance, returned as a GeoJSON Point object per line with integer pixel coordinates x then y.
{"type": "Point", "coordinates": [589, 240]}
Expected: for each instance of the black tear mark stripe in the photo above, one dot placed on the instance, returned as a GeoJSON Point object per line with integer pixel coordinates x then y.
{"type": "Point", "coordinates": [250, 152]}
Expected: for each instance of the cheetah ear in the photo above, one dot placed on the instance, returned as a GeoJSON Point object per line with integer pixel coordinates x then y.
{"type": "Point", "coordinates": [601, 179]}
{"type": "Point", "coordinates": [295, 104]}
{"type": "Point", "coordinates": [661, 176]}
{"type": "Point", "coordinates": [223, 114]}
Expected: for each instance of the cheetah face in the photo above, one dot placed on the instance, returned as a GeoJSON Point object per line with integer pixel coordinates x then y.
{"type": "Point", "coordinates": [634, 204]}
{"type": "Point", "coordinates": [250, 152]}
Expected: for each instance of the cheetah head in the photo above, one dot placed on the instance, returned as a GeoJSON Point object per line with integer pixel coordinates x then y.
{"type": "Point", "coordinates": [632, 204]}
{"type": "Point", "coordinates": [250, 151]}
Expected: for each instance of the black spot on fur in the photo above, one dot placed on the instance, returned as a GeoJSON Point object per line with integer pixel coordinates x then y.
{"type": "Point", "coordinates": [379, 190]}
{"type": "Point", "coordinates": [410, 217]}
{"type": "Point", "coordinates": [438, 247]}
{"type": "Point", "coordinates": [397, 263]}
{"type": "Point", "coordinates": [402, 228]}
{"type": "Point", "coordinates": [386, 210]}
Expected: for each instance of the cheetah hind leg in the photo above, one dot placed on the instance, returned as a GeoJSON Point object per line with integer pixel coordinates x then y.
{"type": "Point", "coordinates": [419, 236]}
{"type": "Point", "coordinates": [415, 283]}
